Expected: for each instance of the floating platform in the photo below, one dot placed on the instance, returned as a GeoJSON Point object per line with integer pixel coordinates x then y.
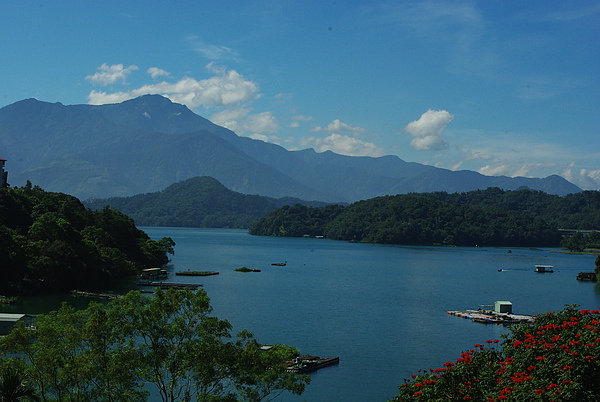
{"type": "Point", "coordinates": [93, 294]}
{"type": "Point", "coordinates": [492, 317]}
{"type": "Point", "coordinates": [587, 276]}
{"type": "Point", "coordinates": [170, 285]}
{"type": "Point", "coordinates": [196, 273]}
{"type": "Point", "coordinates": [307, 364]}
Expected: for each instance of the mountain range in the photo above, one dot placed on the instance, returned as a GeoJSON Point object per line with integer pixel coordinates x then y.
{"type": "Point", "coordinates": [148, 143]}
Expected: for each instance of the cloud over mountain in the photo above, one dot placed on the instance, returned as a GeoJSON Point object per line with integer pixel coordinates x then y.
{"type": "Point", "coordinates": [225, 88]}
{"type": "Point", "coordinates": [428, 130]}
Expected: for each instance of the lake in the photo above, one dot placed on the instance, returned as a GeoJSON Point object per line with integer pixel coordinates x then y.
{"type": "Point", "coordinates": [381, 309]}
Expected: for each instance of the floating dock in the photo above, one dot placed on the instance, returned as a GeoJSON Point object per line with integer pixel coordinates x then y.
{"type": "Point", "coordinates": [196, 273]}
{"type": "Point", "coordinates": [492, 317]}
{"type": "Point", "coordinates": [307, 364]}
{"type": "Point", "coordinates": [170, 285]}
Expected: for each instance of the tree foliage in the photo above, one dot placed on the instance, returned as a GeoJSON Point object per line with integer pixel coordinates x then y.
{"type": "Point", "coordinates": [556, 358]}
{"type": "Point", "coordinates": [486, 218]}
{"type": "Point", "coordinates": [169, 344]}
{"type": "Point", "coordinates": [49, 242]}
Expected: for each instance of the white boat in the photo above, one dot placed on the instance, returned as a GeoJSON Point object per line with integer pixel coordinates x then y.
{"type": "Point", "coordinates": [544, 269]}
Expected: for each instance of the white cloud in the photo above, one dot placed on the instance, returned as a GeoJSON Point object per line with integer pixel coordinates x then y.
{"type": "Point", "coordinates": [495, 170]}
{"type": "Point", "coordinates": [156, 72]}
{"type": "Point", "coordinates": [226, 89]}
{"type": "Point", "coordinates": [241, 121]}
{"type": "Point", "coordinates": [343, 145]}
{"type": "Point", "coordinates": [263, 123]}
{"type": "Point", "coordinates": [273, 139]}
{"type": "Point", "coordinates": [584, 178]}
{"type": "Point", "coordinates": [212, 52]}
{"type": "Point", "coordinates": [111, 74]}
{"type": "Point", "coordinates": [428, 130]}
{"type": "Point", "coordinates": [336, 126]}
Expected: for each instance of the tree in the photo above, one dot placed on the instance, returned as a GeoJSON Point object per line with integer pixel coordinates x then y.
{"type": "Point", "coordinates": [169, 340]}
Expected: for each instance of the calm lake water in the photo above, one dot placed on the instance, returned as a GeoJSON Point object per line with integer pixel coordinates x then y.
{"type": "Point", "coordinates": [381, 309]}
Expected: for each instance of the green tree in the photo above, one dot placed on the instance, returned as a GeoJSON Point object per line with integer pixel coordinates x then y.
{"type": "Point", "coordinates": [169, 341]}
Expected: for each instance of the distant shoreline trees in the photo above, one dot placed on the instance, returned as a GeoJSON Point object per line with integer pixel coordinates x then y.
{"type": "Point", "coordinates": [492, 217]}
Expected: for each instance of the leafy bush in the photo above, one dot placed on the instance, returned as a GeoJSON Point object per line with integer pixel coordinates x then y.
{"type": "Point", "coordinates": [556, 358]}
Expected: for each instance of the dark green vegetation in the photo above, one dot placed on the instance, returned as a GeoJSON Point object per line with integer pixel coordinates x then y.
{"type": "Point", "coordinates": [197, 202]}
{"type": "Point", "coordinates": [554, 359]}
{"type": "Point", "coordinates": [144, 145]}
{"type": "Point", "coordinates": [168, 343]}
{"type": "Point", "coordinates": [246, 269]}
{"type": "Point", "coordinates": [491, 217]}
{"type": "Point", "coordinates": [49, 242]}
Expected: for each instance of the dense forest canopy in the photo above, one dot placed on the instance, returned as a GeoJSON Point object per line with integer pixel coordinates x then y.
{"type": "Point", "coordinates": [491, 217]}
{"type": "Point", "coordinates": [49, 242]}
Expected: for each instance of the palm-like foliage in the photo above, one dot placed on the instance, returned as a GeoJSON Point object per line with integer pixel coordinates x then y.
{"type": "Point", "coordinates": [14, 387]}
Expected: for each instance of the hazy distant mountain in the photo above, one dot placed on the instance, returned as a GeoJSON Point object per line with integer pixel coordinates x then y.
{"type": "Point", "coordinates": [145, 144]}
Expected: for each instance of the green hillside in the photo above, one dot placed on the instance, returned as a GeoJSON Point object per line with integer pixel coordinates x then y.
{"type": "Point", "coordinates": [492, 217]}
{"type": "Point", "coordinates": [196, 202]}
{"type": "Point", "coordinates": [49, 242]}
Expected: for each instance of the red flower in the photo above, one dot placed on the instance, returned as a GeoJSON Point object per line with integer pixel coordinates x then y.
{"type": "Point", "coordinates": [418, 394]}
{"type": "Point", "coordinates": [539, 391]}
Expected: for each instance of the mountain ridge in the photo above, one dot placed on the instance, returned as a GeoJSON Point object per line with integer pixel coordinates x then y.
{"type": "Point", "coordinates": [145, 144]}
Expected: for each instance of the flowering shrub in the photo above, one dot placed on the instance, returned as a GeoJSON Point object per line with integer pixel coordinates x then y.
{"type": "Point", "coordinates": [555, 359]}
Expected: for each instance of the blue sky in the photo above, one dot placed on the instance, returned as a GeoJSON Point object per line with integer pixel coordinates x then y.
{"type": "Point", "coordinates": [503, 88]}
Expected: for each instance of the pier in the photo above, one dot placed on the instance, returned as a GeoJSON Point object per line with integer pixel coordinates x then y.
{"type": "Point", "coordinates": [196, 273]}
{"type": "Point", "coordinates": [171, 285]}
{"type": "Point", "coordinates": [492, 317]}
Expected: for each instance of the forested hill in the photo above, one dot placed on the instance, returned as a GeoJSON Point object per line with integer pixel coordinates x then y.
{"type": "Point", "coordinates": [49, 242]}
{"type": "Point", "coordinates": [491, 217]}
{"type": "Point", "coordinates": [196, 202]}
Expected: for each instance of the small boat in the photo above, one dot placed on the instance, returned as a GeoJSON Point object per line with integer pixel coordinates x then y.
{"type": "Point", "coordinates": [544, 269]}
{"type": "Point", "coordinates": [154, 273]}
{"type": "Point", "coordinates": [279, 264]}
